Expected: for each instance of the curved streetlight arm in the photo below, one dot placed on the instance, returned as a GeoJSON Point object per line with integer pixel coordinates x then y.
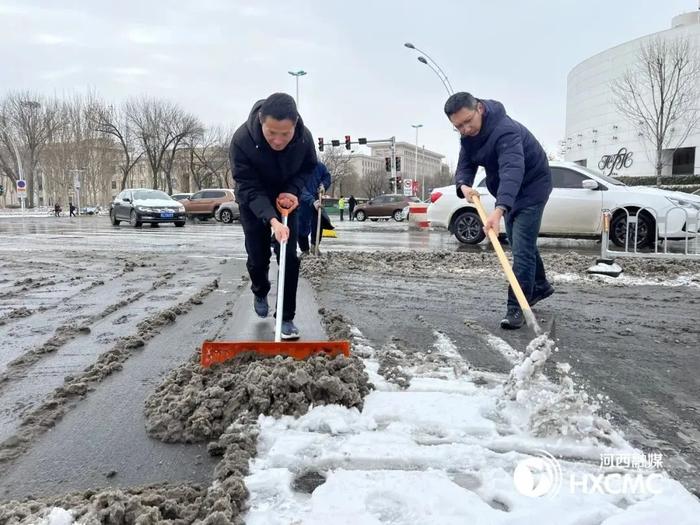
{"type": "Point", "coordinates": [447, 80]}
{"type": "Point", "coordinates": [444, 83]}
{"type": "Point", "coordinates": [14, 146]}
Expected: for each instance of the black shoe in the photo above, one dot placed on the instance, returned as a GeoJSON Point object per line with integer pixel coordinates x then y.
{"type": "Point", "coordinates": [513, 319]}
{"type": "Point", "coordinates": [540, 296]}
{"type": "Point", "coordinates": [260, 306]}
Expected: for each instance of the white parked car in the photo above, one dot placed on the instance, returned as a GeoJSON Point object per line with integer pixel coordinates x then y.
{"type": "Point", "coordinates": [575, 208]}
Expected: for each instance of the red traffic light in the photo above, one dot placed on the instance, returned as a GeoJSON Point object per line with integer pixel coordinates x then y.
{"type": "Point", "coordinates": [320, 143]}
{"type": "Point", "coordinates": [347, 142]}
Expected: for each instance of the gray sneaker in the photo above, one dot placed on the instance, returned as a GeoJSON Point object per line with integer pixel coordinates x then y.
{"type": "Point", "coordinates": [513, 319]}
{"type": "Point", "coordinates": [289, 331]}
{"type": "Point", "coordinates": [260, 306]}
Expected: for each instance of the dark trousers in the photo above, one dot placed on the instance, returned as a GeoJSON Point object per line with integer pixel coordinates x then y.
{"type": "Point", "coordinates": [308, 217]}
{"type": "Point", "coordinates": [350, 215]}
{"type": "Point", "coordinates": [522, 229]}
{"type": "Point", "coordinates": [257, 245]}
{"type": "Point", "coordinates": [341, 213]}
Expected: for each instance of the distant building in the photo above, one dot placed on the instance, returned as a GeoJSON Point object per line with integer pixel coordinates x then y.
{"type": "Point", "coordinates": [595, 130]}
{"type": "Point", "coordinates": [429, 162]}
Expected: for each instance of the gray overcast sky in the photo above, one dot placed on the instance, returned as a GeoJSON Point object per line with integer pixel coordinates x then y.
{"type": "Point", "coordinates": [216, 57]}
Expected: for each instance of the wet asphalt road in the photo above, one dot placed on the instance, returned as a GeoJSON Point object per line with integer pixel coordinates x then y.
{"type": "Point", "coordinates": [638, 345]}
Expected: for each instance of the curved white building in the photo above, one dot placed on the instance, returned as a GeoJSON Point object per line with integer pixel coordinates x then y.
{"type": "Point", "coordinates": [596, 132]}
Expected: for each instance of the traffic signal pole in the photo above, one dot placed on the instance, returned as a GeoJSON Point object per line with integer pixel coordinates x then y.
{"type": "Point", "coordinates": [393, 163]}
{"type": "Point", "coordinates": [363, 141]}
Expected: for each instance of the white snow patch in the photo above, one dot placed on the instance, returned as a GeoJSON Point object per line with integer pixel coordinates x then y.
{"type": "Point", "coordinates": [444, 451]}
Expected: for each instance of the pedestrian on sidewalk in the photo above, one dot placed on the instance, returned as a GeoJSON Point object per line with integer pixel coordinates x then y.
{"type": "Point", "coordinates": [518, 175]}
{"type": "Point", "coordinates": [72, 209]}
{"type": "Point", "coordinates": [272, 157]}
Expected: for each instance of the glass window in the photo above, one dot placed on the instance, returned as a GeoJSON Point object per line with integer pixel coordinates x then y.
{"type": "Point", "coordinates": [198, 195]}
{"type": "Point", "coordinates": [142, 195]}
{"type": "Point", "coordinates": [114, 184]}
{"type": "Point", "coordinates": [565, 178]}
{"type": "Point", "coordinates": [683, 161]}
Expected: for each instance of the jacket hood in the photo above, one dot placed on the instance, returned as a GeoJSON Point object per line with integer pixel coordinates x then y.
{"type": "Point", "coordinates": [255, 128]}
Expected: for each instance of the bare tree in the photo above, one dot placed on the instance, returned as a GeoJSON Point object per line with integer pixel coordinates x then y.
{"type": "Point", "coordinates": [32, 120]}
{"type": "Point", "coordinates": [207, 158]}
{"type": "Point", "coordinates": [659, 94]}
{"type": "Point", "coordinates": [114, 122]}
{"type": "Point", "coordinates": [160, 126]}
{"type": "Point", "coordinates": [374, 183]}
{"type": "Point", "coordinates": [339, 166]}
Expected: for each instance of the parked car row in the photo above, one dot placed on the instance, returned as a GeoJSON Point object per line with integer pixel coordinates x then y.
{"type": "Point", "coordinates": [140, 205]}
{"type": "Point", "coordinates": [575, 208]}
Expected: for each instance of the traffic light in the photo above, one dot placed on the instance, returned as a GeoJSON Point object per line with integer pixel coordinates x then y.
{"type": "Point", "coordinates": [347, 142]}
{"type": "Point", "coordinates": [320, 143]}
{"type": "Point", "coordinates": [398, 180]}
{"type": "Point", "coordinates": [398, 163]}
{"type": "Point", "coordinates": [2, 189]}
{"type": "Point", "coordinates": [387, 163]}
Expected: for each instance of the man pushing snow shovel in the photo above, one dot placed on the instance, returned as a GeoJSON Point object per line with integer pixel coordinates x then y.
{"type": "Point", "coordinates": [272, 157]}
{"type": "Point", "coordinates": [518, 175]}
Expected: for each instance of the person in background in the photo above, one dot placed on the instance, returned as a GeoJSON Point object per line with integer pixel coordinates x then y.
{"type": "Point", "coordinates": [352, 202]}
{"type": "Point", "coordinates": [309, 206]}
{"type": "Point", "coordinates": [71, 209]}
{"type": "Point", "coordinates": [341, 206]}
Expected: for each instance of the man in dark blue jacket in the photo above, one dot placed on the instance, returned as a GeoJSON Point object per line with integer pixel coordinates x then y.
{"type": "Point", "coordinates": [272, 157]}
{"type": "Point", "coordinates": [308, 207]}
{"type": "Point", "coordinates": [517, 174]}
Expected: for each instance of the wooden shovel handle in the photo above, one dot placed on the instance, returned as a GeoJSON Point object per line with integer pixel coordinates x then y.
{"type": "Point", "coordinates": [512, 280]}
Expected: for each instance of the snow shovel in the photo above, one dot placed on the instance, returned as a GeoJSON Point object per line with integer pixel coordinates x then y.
{"type": "Point", "coordinates": [512, 280]}
{"type": "Point", "coordinates": [219, 351]}
{"type": "Point", "coordinates": [318, 222]}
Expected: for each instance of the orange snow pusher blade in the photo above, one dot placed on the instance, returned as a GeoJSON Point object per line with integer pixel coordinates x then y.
{"type": "Point", "coordinates": [214, 352]}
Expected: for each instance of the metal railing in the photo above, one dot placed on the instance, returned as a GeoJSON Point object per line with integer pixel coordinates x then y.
{"type": "Point", "coordinates": [684, 244]}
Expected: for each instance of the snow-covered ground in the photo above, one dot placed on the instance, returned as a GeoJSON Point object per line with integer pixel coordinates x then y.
{"type": "Point", "coordinates": [444, 451]}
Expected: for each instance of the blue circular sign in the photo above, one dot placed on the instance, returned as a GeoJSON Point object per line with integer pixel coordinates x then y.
{"type": "Point", "coordinates": [21, 184]}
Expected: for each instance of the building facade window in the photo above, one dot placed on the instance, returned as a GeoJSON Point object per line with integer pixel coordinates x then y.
{"type": "Point", "coordinates": [683, 161]}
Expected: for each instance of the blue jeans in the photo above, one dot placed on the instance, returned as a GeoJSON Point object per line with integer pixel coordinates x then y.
{"type": "Point", "coordinates": [308, 217]}
{"type": "Point", "coordinates": [522, 229]}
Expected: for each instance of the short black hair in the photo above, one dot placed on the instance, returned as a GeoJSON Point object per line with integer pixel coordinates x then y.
{"type": "Point", "coordinates": [279, 106]}
{"type": "Point", "coordinates": [458, 101]}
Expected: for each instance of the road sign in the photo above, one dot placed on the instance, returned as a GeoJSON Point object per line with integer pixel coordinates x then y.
{"type": "Point", "coordinates": [22, 188]}
{"type": "Point", "coordinates": [408, 186]}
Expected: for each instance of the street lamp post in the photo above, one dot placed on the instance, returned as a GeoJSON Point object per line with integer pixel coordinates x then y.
{"type": "Point", "coordinates": [430, 62]}
{"type": "Point", "coordinates": [415, 172]}
{"type": "Point", "coordinates": [297, 74]}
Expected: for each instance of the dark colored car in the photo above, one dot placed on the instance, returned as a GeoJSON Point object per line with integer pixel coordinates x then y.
{"type": "Point", "coordinates": [142, 205]}
{"type": "Point", "coordinates": [384, 206]}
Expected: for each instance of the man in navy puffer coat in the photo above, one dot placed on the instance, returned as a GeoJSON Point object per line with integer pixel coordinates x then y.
{"type": "Point", "coordinates": [517, 174]}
